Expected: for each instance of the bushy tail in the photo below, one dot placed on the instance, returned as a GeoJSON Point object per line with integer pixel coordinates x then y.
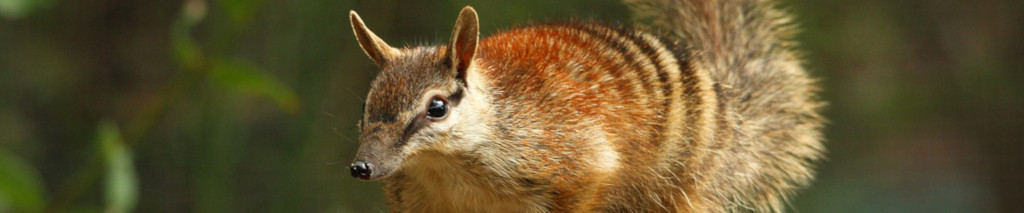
{"type": "Point", "coordinates": [727, 33]}
{"type": "Point", "coordinates": [745, 47]}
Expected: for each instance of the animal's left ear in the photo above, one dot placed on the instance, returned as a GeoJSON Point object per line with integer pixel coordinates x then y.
{"type": "Point", "coordinates": [465, 37]}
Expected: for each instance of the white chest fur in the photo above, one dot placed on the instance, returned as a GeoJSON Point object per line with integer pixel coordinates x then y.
{"type": "Point", "coordinates": [434, 182]}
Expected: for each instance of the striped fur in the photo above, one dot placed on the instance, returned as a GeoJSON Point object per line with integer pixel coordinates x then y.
{"type": "Point", "coordinates": [582, 117]}
{"type": "Point", "coordinates": [768, 119]}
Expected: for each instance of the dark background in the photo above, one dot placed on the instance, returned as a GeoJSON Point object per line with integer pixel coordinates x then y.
{"type": "Point", "coordinates": [251, 105]}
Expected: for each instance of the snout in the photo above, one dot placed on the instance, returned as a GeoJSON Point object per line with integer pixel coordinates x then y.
{"type": "Point", "coordinates": [375, 159]}
{"type": "Point", "coordinates": [362, 170]}
{"type": "Point", "coordinates": [371, 169]}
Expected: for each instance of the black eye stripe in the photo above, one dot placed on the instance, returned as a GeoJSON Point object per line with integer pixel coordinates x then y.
{"type": "Point", "coordinates": [413, 127]}
{"type": "Point", "coordinates": [437, 109]}
{"type": "Point", "coordinates": [383, 118]}
{"type": "Point", "coordinates": [456, 97]}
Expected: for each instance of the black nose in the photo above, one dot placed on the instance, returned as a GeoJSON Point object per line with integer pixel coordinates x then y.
{"type": "Point", "coordinates": [361, 170]}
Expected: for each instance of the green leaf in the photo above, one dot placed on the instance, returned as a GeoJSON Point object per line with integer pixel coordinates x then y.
{"type": "Point", "coordinates": [20, 188]}
{"type": "Point", "coordinates": [121, 187]}
{"type": "Point", "coordinates": [186, 50]}
{"type": "Point", "coordinates": [242, 76]}
{"type": "Point", "coordinates": [240, 11]}
{"type": "Point", "coordinates": [15, 9]}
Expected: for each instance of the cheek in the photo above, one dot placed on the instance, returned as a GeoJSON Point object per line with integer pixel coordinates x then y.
{"type": "Point", "coordinates": [434, 136]}
{"type": "Point", "coordinates": [438, 135]}
{"type": "Point", "coordinates": [452, 124]}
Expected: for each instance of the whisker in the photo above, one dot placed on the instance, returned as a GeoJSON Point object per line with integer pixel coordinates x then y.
{"type": "Point", "coordinates": [332, 163]}
{"type": "Point", "coordinates": [350, 91]}
{"type": "Point", "coordinates": [328, 114]}
{"type": "Point", "coordinates": [343, 136]}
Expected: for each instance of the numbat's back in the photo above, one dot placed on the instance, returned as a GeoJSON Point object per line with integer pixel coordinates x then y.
{"type": "Point", "coordinates": [580, 117]}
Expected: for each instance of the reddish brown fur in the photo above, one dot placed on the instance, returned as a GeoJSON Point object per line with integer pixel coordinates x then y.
{"type": "Point", "coordinates": [533, 68]}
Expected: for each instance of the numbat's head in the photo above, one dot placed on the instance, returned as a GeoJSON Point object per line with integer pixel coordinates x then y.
{"type": "Point", "coordinates": [420, 100]}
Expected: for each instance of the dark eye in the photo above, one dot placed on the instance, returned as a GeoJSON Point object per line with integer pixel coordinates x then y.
{"type": "Point", "coordinates": [437, 108]}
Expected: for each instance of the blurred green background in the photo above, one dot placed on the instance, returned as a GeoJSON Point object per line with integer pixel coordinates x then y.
{"type": "Point", "coordinates": [250, 105]}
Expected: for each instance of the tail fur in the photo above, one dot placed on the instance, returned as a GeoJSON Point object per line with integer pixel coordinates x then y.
{"type": "Point", "coordinates": [745, 46]}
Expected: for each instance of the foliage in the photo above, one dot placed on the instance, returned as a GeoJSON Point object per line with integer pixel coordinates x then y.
{"type": "Point", "coordinates": [20, 186]}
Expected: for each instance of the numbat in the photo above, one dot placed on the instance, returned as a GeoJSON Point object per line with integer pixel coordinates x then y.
{"type": "Point", "coordinates": [718, 116]}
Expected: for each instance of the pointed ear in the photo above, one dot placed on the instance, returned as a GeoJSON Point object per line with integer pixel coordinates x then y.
{"type": "Point", "coordinates": [373, 46]}
{"type": "Point", "coordinates": [464, 41]}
